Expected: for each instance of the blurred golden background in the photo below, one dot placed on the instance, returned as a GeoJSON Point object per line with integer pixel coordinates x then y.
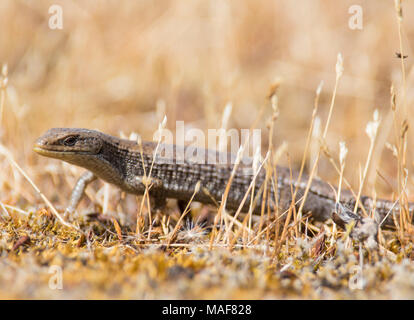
{"type": "Point", "coordinates": [121, 65]}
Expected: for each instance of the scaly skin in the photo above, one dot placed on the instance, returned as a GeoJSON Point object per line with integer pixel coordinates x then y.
{"type": "Point", "coordinates": [125, 164]}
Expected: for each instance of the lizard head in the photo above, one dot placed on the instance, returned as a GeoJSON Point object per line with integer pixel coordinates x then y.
{"type": "Point", "coordinates": [69, 144]}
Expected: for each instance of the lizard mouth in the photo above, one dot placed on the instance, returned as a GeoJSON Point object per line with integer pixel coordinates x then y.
{"type": "Point", "coordinates": [40, 149]}
{"type": "Point", "coordinates": [48, 153]}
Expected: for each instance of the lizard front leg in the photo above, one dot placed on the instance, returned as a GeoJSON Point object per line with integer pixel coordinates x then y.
{"type": "Point", "coordinates": [79, 190]}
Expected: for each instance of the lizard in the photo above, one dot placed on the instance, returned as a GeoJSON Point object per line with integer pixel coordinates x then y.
{"type": "Point", "coordinates": [171, 171]}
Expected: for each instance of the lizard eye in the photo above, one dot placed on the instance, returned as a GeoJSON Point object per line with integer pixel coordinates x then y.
{"type": "Point", "coordinates": [70, 141]}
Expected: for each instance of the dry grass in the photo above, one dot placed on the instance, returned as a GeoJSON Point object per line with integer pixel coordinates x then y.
{"type": "Point", "coordinates": [120, 67]}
